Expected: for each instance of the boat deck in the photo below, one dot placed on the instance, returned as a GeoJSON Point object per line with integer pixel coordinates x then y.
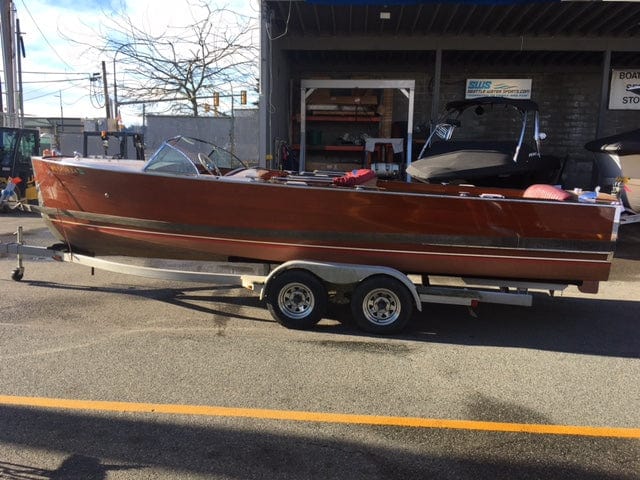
{"type": "Point", "coordinates": [333, 179]}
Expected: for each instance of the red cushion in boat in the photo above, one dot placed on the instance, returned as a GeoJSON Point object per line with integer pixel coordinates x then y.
{"type": "Point", "coordinates": [355, 177]}
{"type": "Point", "coordinates": [546, 192]}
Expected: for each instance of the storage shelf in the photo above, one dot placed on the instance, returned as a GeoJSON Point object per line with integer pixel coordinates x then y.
{"type": "Point", "coordinates": [331, 148]}
{"type": "Point", "coordinates": [341, 118]}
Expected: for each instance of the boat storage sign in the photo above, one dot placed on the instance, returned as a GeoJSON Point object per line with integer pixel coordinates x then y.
{"type": "Point", "coordinates": [498, 87]}
{"type": "Point", "coordinates": [624, 93]}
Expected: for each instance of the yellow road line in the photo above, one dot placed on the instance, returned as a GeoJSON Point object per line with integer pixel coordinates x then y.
{"type": "Point", "coordinates": [302, 416]}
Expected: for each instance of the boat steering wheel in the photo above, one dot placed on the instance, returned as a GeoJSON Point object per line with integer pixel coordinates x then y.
{"type": "Point", "coordinates": [207, 164]}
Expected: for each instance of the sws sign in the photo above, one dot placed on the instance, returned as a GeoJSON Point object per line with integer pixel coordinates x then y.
{"type": "Point", "coordinates": [498, 87]}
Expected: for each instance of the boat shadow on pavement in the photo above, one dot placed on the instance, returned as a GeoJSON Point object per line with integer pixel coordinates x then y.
{"type": "Point", "coordinates": [564, 324]}
{"type": "Point", "coordinates": [628, 244]}
{"type": "Point", "coordinates": [569, 325]}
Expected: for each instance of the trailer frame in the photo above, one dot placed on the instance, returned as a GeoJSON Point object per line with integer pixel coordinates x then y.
{"type": "Point", "coordinates": [297, 292]}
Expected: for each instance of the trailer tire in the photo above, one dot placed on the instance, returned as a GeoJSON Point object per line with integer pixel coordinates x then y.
{"type": "Point", "coordinates": [381, 304]}
{"type": "Point", "coordinates": [296, 299]}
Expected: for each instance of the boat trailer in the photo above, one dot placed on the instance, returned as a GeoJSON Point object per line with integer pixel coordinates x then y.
{"type": "Point", "coordinates": [297, 292]}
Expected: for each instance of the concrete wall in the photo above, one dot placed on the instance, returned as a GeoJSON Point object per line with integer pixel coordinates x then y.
{"type": "Point", "coordinates": [278, 99]}
{"type": "Point", "coordinates": [239, 135]}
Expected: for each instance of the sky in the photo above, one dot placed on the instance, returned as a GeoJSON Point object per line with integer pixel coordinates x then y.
{"type": "Point", "coordinates": [56, 72]}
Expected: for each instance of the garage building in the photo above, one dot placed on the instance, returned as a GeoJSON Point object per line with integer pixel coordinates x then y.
{"type": "Point", "coordinates": [573, 56]}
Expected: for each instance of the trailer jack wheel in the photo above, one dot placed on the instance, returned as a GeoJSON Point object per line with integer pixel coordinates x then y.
{"type": "Point", "coordinates": [17, 274]}
{"type": "Point", "coordinates": [296, 299]}
{"type": "Point", "coordinates": [381, 304]}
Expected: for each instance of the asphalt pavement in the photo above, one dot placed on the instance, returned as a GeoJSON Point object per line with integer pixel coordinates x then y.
{"type": "Point", "coordinates": [107, 376]}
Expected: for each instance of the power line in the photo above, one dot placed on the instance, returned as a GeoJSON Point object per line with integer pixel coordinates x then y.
{"type": "Point", "coordinates": [62, 80]}
{"type": "Point", "coordinates": [43, 35]}
{"type": "Point", "coordinates": [58, 73]}
{"type": "Point", "coordinates": [48, 94]}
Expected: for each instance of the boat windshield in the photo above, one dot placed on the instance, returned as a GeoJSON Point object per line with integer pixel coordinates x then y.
{"type": "Point", "coordinates": [191, 156]}
{"type": "Point", "coordinates": [487, 124]}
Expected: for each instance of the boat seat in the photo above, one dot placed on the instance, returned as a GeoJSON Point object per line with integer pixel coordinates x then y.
{"type": "Point", "coordinates": [546, 192]}
{"type": "Point", "coordinates": [255, 174]}
{"type": "Point", "coordinates": [361, 176]}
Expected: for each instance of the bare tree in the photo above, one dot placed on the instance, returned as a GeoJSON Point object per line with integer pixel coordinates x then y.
{"type": "Point", "coordinates": [180, 66]}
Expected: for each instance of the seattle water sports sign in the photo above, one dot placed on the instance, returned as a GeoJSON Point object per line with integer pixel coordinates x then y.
{"type": "Point", "coordinates": [498, 87]}
{"type": "Point", "coordinates": [624, 93]}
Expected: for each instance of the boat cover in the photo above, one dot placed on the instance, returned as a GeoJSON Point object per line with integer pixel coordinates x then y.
{"type": "Point", "coordinates": [626, 143]}
{"type": "Point", "coordinates": [469, 160]}
{"type": "Point", "coordinates": [466, 164]}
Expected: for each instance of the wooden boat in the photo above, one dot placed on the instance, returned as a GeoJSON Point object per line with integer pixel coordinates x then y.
{"type": "Point", "coordinates": [194, 200]}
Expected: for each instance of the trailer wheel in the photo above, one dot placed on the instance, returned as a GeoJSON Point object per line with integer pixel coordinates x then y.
{"type": "Point", "coordinates": [296, 299]}
{"type": "Point", "coordinates": [381, 304]}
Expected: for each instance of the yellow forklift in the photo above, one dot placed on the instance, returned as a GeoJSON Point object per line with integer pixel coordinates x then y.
{"type": "Point", "coordinates": [17, 146]}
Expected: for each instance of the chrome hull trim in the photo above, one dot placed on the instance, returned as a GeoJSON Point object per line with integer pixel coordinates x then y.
{"type": "Point", "coordinates": [122, 231]}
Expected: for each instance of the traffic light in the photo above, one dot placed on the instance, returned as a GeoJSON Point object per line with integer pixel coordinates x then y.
{"type": "Point", "coordinates": [216, 99]}
{"type": "Point", "coordinates": [243, 97]}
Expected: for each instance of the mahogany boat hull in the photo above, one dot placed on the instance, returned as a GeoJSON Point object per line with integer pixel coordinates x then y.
{"type": "Point", "coordinates": [415, 228]}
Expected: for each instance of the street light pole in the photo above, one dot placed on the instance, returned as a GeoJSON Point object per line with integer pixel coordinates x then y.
{"type": "Point", "coordinates": [115, 82]}
{"type": "Point", "coordinates": [59, 131]}
{"type": "Point", "coordinates": [115, 85]}
{"type": "Point", "coordinates": [233, 124]}
{"type": "Point", "coordinates": [106, 94]}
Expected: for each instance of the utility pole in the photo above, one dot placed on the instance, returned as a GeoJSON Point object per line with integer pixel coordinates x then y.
{"type": "Point", "coordinates": [8, 55]}
{"type": "Point", "coordinates": [19, 54]}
